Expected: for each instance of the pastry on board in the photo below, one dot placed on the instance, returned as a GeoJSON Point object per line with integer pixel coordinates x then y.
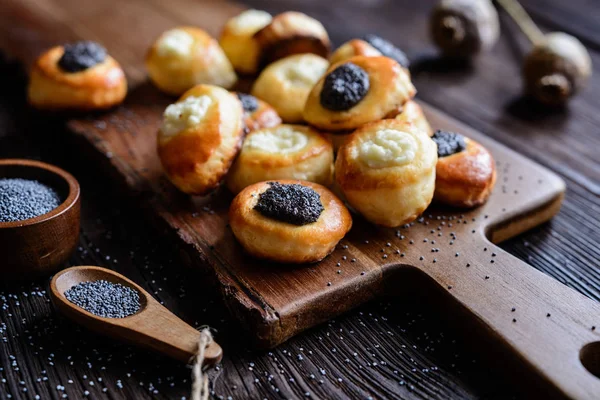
{"type": "Point", "coordinates": [369, 45]}
{"type": "Point", "coordinates": [466, 171]}
{"type": "Point", "coordinates": [282, 152]}
{"type": "Point", "coordinates": [412, 112]}
{"type": "Point", "coordinates": [238, 41]}
{"type": "Point", "coordinates": [285, 84]}
{"type": "Point", "coordinates": [257, 113]}
{"type": "Point", "coordinates": [357, 91]}
{"type": "Point", "coordinates": [76, 76]}
{"type": "Point", "coordinates": [288, 221]}
{"type": "Point", "coordinates": [200, 136]}
{"type": "Point", "coordinates": [386, 171]}
{"type": "Point", "coordinates": [186, 56]}
{"type": "Point", "coordinates": [291, 33]}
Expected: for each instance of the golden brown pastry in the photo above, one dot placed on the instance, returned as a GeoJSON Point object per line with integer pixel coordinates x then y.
{"type": "Point", "coordinates": [257, 113]}
{"type": "Point", "coordinates": [77, 76]}
{"type": "Point", "coordinates": [238, 41]}
{"type": "Point", "coordinates": [282, 152]}
{"type": "Point", "coordinates": [386, 170]}
{"type": "Point", "coordinates": [199, 138]}
{"type": "Point", "coordinates": [369, 45]}
{"type": "Point", "coordinates": [288, 221]}
{"type": "Point", "coordinates": [412, 112]}
{"type": "Point", "coordinates": [286, 83]}
{"type": "Point", "coordinates": [360, 90]}
{"type": "Point", "coordinates": [184, 57]}
{"type": "Point", "coordinates": [292, 33]}
{"type": "Point", "coordinates": [466, 171]}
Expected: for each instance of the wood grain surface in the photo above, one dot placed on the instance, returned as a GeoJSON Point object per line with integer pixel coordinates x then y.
{"type": "Point", "coordinates": [577, 209]}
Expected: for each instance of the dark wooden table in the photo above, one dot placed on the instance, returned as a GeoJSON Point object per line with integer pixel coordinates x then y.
{"type": "Point", "coordinates": [391, 348]}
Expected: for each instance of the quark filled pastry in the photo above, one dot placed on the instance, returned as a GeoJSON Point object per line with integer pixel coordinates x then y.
{"type": "Point", "coordinates": [386, 170]}
{"type": "Point", "coordinates": [282, 152]}
{"type": "Point", "coordinates": [359, 90]}
{"type": "Point", "coordinates": [257, 113]}
{"type": "Point", "coordinates": [288, 221]}
{"type": "Point", "coordinates": [286, 83]}
{"type": "Point", "coordinates": [76, 76]}
{"type": "Point", "coordinates": [466, 171]}
{"type": "Point", "coordinates": [292, 33]}
{"type": "Point", "coordinates": [238, 41]}
{"type": "Point", "coordinates": [184, 57]}
{"type": "Point", "coordinates": [199, 138]}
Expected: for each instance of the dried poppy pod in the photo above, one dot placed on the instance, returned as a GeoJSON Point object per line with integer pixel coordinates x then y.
{"type": "Point", "coordinates": [556, 68]}
{"type": "Point", "coordinates": [463, 28]}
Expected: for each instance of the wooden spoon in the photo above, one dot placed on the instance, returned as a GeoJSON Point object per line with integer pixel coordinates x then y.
{"type": "Point", "coordinates": [153, 326]}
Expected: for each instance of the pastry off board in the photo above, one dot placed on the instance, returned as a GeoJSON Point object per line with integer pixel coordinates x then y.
{"type": "Point", "coordinates": [204, 162]}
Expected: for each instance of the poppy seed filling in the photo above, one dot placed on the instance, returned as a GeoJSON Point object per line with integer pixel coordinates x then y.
{"type": "Point", "coordinates": [344, 87]}
{"type": "Point", "coordinates": [448, 143]}
{"type": "Point", "coordinates": [291, 203]}
{"type": "Point", "coordinates": [82, 55]}
{"type": "Point", "coordinates": [249, 102]}
{"type": "Point", "coordinates": [387, 49]}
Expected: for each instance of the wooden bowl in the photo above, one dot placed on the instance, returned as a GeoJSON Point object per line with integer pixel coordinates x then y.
{"type": "Point", "coordinates": [39, 246]}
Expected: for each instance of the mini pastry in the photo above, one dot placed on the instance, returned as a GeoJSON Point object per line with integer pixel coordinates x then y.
{"type": "Point", "coordinates": [387, 49]}
{"type": "Point", "coordinates": [257, 113]}
{"type": "Point", "coordinates": [360, 90]}
{"type": "Point", "coordinates": [184, 57]}
{"type": "Point", "coordinates": [282, 152]}
{"type": "Point", "coordinates": [292, 33]}
{"type": "Point", "coordinates": [386, 170]}
{"type": "Point", "coordinates": [286, 83]}
{"type": "Point", "coordinates": [77, 76]}
{"type": "Point", "coordinates": [199, 138]}
{"type": "Point", "coordinates": [466, 171]}
{"type": "Point", "coordinates": [238, 41]}
{"type": "Point", "coordinates": [412, 112]}
{"type": "Point", "coordinates": [352, 48]}
{"type": "Point", "coordinates": [288, 221]}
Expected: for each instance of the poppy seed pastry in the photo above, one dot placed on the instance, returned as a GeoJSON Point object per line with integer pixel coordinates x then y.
{"type": "Point", "coordinates": [257, 113]}
{"type": "Point", "coordinates": [184, 57]}
{"type": "Point", "coordinates": [76, 76]}
{"type": "Point", "coordinates": [386, 170]}
{"type": "Point", "coordinates": [465, 173]}
{"type": "Point", "coordinates": [199, 138]}
{"type": "Point", "coordinates": [342, 100]}
{"type": "Point", "coordinates": [286, 83]}
{"type": "Point", "coordinates": [288, 221]}
{"type": "Point", "coordinates": [282, 152]}
{"type": "Point", "coordinates": [238, 41]}
{"type": "Point", "coordinates": [291, 33]}
{"type": "Point", "coordinates": [352, 48]}
{"type": "Point", "coordinates": [387, 49]}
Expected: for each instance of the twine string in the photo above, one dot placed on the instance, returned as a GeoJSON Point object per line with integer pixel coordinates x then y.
{"type": "Point", "coordinates": [523, 20]}
{"type": "Point", "coordinates": [199, 377]}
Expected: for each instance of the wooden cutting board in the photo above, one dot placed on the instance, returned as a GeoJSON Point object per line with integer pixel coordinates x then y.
{"type": "Point", "coordinates": [449, 255]}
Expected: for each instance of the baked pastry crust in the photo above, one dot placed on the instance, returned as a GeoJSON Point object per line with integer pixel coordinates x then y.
{"type": "Point", "coordinates": [278, 241]}
{"type": "Point", "coordinates": [389, 191]}
{"type": "Point", "coordinates": [286, 83]}
{"type": "Point", "coordinates": [290, 33]}
{"type": "Point", "coordinates": [390, 87]}
{"type": "Point", "coordinates": [412, 112]}
{"type": "Point", "coordinates": [282, 152]}
{"type": "Point", "coordinates": [352, 48]}
{"type": "Point", "coordinates": [98, 87]}
{"type": "Point", "coordinates": [264, 116]}
{"type": "Point", "coordinates": [465, 179]}
{"type": "Point", "coordinates": [238, 41]}
{"type": "Point", "coordinates": [196, 158]}
{"type": "Point", "coordinates": [186, 56]}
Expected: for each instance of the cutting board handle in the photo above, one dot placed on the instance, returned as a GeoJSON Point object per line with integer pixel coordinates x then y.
{"type": "Point", "coordinates": [544, 324]}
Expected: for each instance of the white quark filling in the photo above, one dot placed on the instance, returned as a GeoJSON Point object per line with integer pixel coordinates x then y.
{"type": "Point", "coordinates": [251, 20]}
{"type": "Point", "coordinates": [175, 42]}
{"type": "Point", "coordinates": [282, 140]}
{"type": "Point", "coordinates": [185, 114]}
{"type": "Point", "coordinates": [306, 71]}
{"type": "Point", "coordinates": [388, 148]}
